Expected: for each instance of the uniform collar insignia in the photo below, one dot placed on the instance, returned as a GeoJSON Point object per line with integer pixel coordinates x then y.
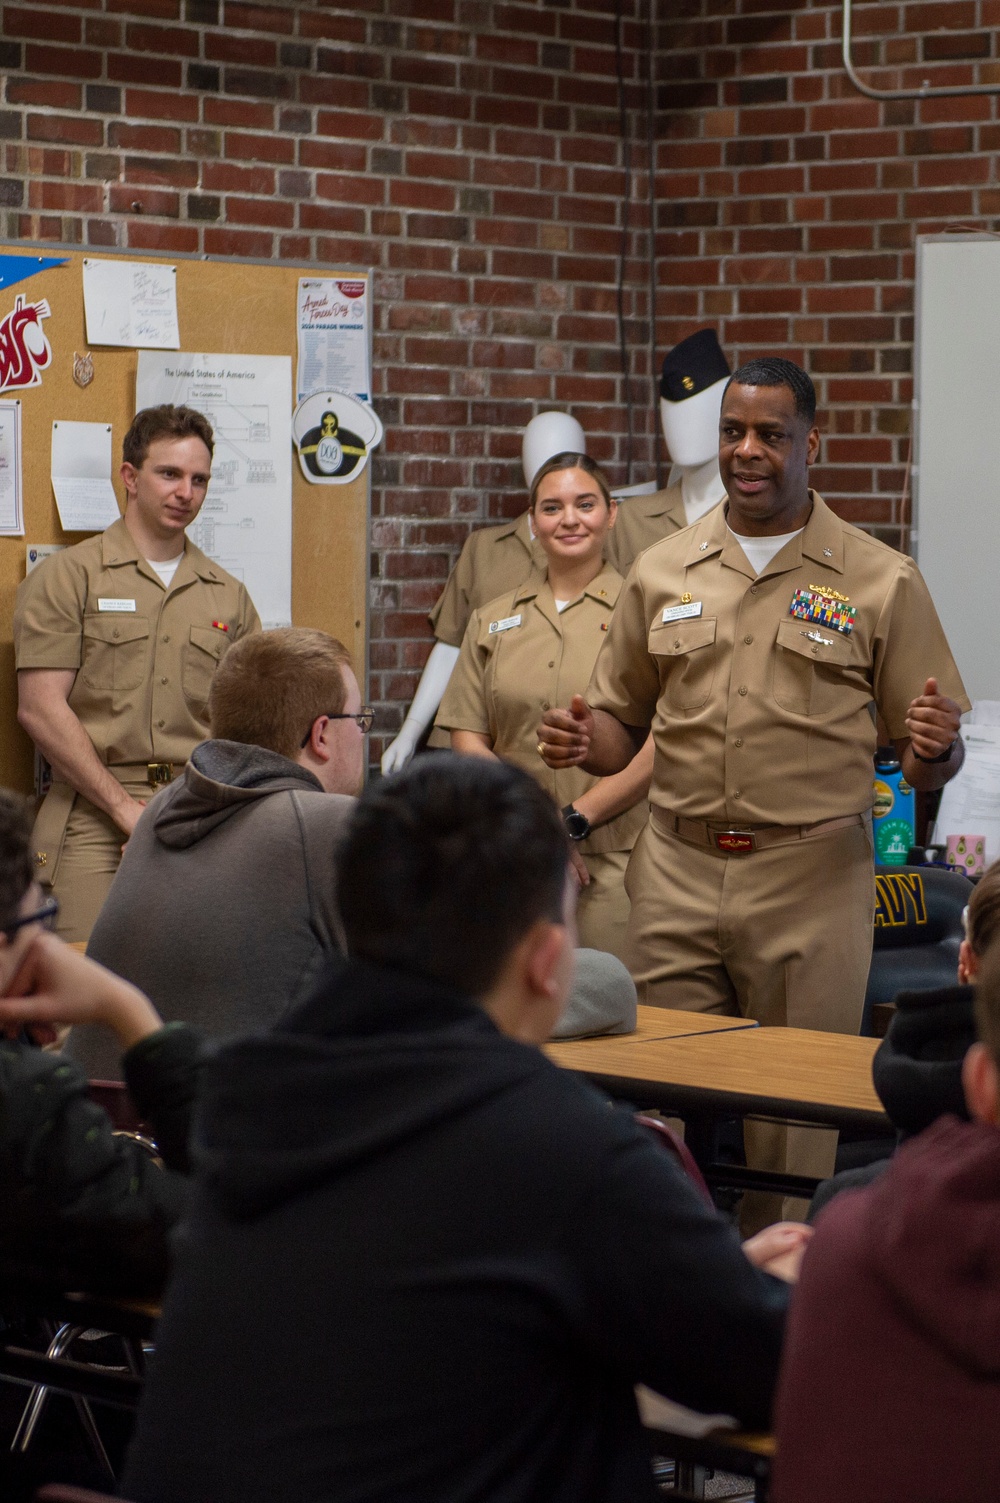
{"type": "Point", "coordinates": [823, 538]}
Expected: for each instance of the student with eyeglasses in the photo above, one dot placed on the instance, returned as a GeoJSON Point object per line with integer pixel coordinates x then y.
{"type": "Point", "coordinates": [225, 906]}
{"type": "Point", "coordinates": [82, 1207]}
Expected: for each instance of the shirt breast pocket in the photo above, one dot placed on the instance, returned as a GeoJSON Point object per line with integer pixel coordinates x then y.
{"type": "Point", "coordinates": [202, 653]}
{"type": "Point", "coordinates": [686, 654]}
{"type": "Point", "coordinates": [811, 677]}
{"type": "Point", "coordinates": [115, 652]}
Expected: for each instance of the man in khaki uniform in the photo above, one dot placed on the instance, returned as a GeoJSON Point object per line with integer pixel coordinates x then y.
{"type": "Point", "coordinates": [755, 644]}
{"type": "Point", "coordinates": [116, 641]}
{"type": "Point", "coordinates": [521, 652]}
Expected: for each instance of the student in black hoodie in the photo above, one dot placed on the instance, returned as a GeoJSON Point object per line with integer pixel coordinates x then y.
{"type": "Point", "coordinates": [917, 1068]}
{"type": "Point", "coordinates": [81, 1207]}
{"type": "Point", "coordinates": [421, 1262]}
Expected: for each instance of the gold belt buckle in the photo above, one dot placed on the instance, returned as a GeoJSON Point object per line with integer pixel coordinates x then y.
{"type": "Point", "coordinates": [158, 774]}
{"type": "Point", "coordinates": [735, 842]}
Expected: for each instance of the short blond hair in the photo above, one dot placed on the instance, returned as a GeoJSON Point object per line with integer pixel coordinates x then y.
{"type": "Point", "coordinates": [272, 685]}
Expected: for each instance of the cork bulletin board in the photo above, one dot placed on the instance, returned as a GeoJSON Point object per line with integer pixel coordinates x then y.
{"type": "Point", "coordinates": [223, 307]}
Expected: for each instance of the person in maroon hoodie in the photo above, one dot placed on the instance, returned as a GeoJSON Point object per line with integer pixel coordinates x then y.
{"type": "Point", "coordinates": [890, 1382]}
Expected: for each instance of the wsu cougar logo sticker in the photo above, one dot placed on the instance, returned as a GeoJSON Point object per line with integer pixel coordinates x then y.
{"type": "Point", "coordinates": [24, 349]}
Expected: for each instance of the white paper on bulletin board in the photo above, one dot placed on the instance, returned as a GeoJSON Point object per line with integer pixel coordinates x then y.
{"type": "Point", "coordinates": [334, 324]}
{"type": "Point", "coordinates": [245, 524]}
{"type": "Point", "coordinates": [131, 303]}
{"type": "Point", "coordinates": [11, 489]}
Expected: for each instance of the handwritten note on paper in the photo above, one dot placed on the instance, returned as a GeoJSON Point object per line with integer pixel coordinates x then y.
{"type": "Point", "coordinates": [131, 303]}
{"type": "Point", "coordinates": [11, 505]}
{"type": "Point", "coordinates": [81, 476]}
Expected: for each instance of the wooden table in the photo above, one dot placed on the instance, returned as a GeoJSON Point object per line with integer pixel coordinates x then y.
{"type": "Point", "coordinates": [784, 1072]}
{"type": "Point", "coordinates": [789, 1073]}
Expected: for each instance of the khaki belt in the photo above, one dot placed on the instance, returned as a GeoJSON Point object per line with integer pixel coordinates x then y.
{"type": "Point", "coordinates": [741, 841]}
{"type": "Point", "coordinates": [156, 774]}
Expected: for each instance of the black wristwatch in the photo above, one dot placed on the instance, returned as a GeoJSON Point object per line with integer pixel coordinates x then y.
{"type": "Point", "coordinates": [944, 756]}
{"type": "Point", "coordinates": [577, 824]}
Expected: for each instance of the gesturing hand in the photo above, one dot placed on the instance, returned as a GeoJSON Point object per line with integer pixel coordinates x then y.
{"type": "Point", "coordinates": [564, 736]}
{"type": "Point", "coordinates": [933, 722]}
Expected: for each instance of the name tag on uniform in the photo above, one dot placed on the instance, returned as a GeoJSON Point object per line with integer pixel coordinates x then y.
{"type": "Point", "coordinates": [682, 612]}
{"type": "Point", "coordinates": [104, 603]}
{"type": "Point", "coordinates": [505, 624]}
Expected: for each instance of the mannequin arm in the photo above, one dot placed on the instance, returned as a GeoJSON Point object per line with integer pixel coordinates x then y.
{"type": "Point", "coordinates": [430, 692]}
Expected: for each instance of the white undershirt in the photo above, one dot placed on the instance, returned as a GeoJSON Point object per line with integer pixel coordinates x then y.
{"type": "Point", "coordinates": [562, 604]}
{"type": "Point", "coordinates": [166, 568]}
{"type": "Point", "coordinates": [760, 551]}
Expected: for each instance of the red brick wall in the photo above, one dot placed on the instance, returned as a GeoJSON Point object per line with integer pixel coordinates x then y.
{"type": "Point", "coordinates": [469, 150]}
{"type": "Point", "coordinates": [789, 202]}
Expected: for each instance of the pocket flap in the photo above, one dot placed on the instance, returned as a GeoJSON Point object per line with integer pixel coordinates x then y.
{"type": "Point", "coordinates": [674, 638]}
{"type": "Point", "coordinates": [801, 636]}
{"type": "Point", "coordinates": [115, 628]}
{"type": "Point", "coordinates": [210, 640]}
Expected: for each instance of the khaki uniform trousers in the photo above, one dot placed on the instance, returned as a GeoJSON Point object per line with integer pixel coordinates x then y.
{"type": "Point", "coordinates": [782, 935]}
{"type": "Point", "coordinates": [83, 857]}
{"type": "Point", "coordinates": [602, 906]}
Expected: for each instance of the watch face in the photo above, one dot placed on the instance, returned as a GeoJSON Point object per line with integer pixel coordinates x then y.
{"type": "Point", "coordinates": [578, 825]}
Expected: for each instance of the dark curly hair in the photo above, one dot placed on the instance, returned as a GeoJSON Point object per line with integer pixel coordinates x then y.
{"type": "Point", "coordinates": [774, 370]}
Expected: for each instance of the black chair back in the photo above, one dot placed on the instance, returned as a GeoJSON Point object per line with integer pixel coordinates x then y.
{"type": "Point", "coordinates": [918, 931]}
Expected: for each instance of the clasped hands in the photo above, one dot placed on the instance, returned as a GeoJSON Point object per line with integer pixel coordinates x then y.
{"type": "Point", "coordinates": [564, 736]}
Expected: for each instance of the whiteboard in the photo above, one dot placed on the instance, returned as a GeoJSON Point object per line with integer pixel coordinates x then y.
{"type": "Point", "coordinates": [956, 484]}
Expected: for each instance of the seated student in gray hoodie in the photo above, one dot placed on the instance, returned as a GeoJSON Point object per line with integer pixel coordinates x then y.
{"type": "Point", "coordinates": [224, 908]}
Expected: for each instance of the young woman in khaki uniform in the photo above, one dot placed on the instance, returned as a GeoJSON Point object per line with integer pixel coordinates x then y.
{"type": "Point", "coordinates": [528, 648]}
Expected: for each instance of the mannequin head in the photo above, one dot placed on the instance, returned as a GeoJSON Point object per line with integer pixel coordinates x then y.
{"type": "Point", "coordinates": [694, 377]}
{"type": "Point", "coordinates": [691, 428]}
{"type": "Point", "coordinates": [547, 434]}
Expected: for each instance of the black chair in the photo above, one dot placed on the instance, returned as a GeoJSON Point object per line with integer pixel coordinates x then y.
{"type": "Point", "coordinates": [918, 931]}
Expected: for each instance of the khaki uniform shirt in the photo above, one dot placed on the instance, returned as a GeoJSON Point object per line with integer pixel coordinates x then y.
{"type": "Point", "coordinates": [641, 522]}
{"type": "Point", "coordinates": [492, 561]}
{"type": "Point", "coordinates": [759, 717]}
{"type": "Point", "coordinates": [520, 657]}
{"type": "Point", "coordinates": [144, 656]}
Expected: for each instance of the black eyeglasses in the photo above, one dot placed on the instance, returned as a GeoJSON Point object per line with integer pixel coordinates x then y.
{"type": "Point", "coordinates": [365, 719]}
{"type": "Point", "coordinates": [46, 916]}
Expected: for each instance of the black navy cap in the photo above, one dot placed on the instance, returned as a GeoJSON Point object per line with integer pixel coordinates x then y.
{"type": "Point", "coordinates": [691, 366]}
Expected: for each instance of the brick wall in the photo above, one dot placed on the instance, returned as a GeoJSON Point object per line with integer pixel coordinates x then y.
{"type": "Point", "coordinates": [470, 151]}
{"type": "Point", "coordinates": [467, 150]}
{"type": "Point", "coordinates": [789, 203]}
